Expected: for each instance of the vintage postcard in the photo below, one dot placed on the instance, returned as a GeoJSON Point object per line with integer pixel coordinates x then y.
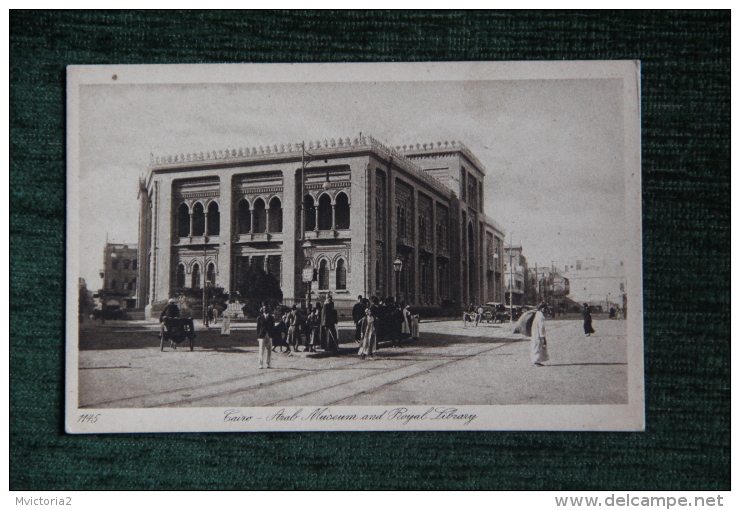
{"type": "Point", "coordinates": [354, 247]}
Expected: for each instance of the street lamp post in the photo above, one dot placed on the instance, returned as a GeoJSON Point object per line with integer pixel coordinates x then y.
{"type": "Point", "coordinates": [398, 267]}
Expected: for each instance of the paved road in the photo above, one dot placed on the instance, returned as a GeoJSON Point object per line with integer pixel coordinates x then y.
{"type": "Point", "coordinates": [121, 366]}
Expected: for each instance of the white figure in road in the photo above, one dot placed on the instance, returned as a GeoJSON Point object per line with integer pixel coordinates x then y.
{"type": "Point", "coordinates": [539, 338]}
{"type": "Point", "coordinates": [226, 324]}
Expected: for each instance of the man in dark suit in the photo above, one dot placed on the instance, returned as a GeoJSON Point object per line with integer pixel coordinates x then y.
{"type": "Point", "coordinates": [328, 325]}
{"type": "Point", "coordinates": [265, 332]}
{"type": "Point", "coordinates": [358, 313]}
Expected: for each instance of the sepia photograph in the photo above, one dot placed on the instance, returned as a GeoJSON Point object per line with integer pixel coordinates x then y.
{"type": "Point", "coordinates": [398, 246]}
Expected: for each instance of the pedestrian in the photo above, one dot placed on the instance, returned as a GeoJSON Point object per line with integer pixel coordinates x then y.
{"type": "Point", "coordinates": [226, 324]}
{"type": "Point", "coordinates": [539, 338]}
{"type": "Point", "coordinates": [313, 325]}
{"type": "Point", "coordinates": [396, 323]}
{"type": "Point", "coordinates": [587, 320]}
{"type": "Point", "coordinates": [369, 335]}
{"type": "Point", "coordinates": [358, 313]}
{"type": "Point", "coordinates": [265, 332]}
{"type": "Point", "coordinates": [406, 324]}
{"type": "Point", "coordinates": [414, 327]}
{"type": "Point", "coordinates": [294, 333]}
{"type": "Point", "coordinates": [328, 325]}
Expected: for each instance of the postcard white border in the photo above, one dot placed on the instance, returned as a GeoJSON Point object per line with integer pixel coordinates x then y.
{"type": "Point", "coordinates": [628, 417]}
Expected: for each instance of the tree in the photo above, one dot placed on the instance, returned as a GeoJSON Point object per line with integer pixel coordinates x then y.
{"type": "Point", "coordinates": [190, 300]}
{"type": "Point", "coordinates": [86, 302]}
{"type": "Point", "coordinates": [255, 286]}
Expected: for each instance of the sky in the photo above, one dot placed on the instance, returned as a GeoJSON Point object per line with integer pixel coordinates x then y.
{"type": "Point", "coordinates": [552, 149]}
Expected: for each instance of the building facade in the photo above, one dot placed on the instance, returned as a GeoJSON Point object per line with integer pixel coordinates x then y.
{"type": "Point", "coordinates": [120, 274]}
{"type": "Point", "coordinates": [370, 219]}
{"type": "Point", "coordinates": [598, 282]}
{"type": "Point", "coordinates": [515, 275]}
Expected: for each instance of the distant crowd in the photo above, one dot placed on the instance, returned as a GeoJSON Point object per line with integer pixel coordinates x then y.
{"type": "Point", "coordinates": [315, 328]}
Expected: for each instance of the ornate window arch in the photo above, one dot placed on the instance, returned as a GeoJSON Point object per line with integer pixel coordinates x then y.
{"type": "Point", "coordinates": [309, 212]}
{"type": "Point", "coordinates": [325, 212]}
{"type": "Point", "coordinates": [342, 210]}
{"type": "Point", "coordinates": [214, 219]}
{"type": "Point", "coordinates": [180, 276]}
{"type": "Point", "coordinates": [199, 219]}
{"type": "Point", "coordinates": [211, 273]}
{"type": "Point", "coordinates": [195, 276]}
{"type": "Point", "coordinates": [260, 216]}
{"type": "Point", "coordinates": [341, 275]}
{"type": "Point", "coordinates": [324, 274]}
{"type": "Point", "coordinates": [243, 217]}
{"type": "Point", "coordinates": [276, 215]}
{"type": "Point", "coordinates": [182, 220]}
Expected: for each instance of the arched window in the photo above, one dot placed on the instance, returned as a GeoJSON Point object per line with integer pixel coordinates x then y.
{"type": "Point", "coordinates": [401, 221]}
{"type": "Point", "coordinates": [114, 285]}
{"type": "Point", "coordinates": [131, 285]}
{"type": "Point", "coordinates": [114, 264]}
{"type": "Point", "coordinates": [325, 212]}
{"type": "Point", "coordinates": [180, 279]}
{"type": "Point", "coordinates": [276, 215]}
{"type": "Point", "coordinates": [126, 264]}
{"type": "Point", "coordinates": [214, 219]}
{"type": "Point", "coordinates": [134, 264]}
{"type": "Point", "coordinates": [324, 275]}
{"type": "Point", "coordinates": [309, 212]}
{"type": "Point", "coordinates": [211, 274]}
{"type": "Point", "coordinates": [183, 220]}
{"type": "Point", "coordinates": [341, 275]}
{"type": "Point", "coordinates": [244, 217]}
{"type": "Point", "coordinates": [342, 211]}
{"type": "Point", "coordinates": [195, 279]}
{"type": "Point", "coordinates": [260, 216]}
{"type": "Point", "coordinates": [199, 220]}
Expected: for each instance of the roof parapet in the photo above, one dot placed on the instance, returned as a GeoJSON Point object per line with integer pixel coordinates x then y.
{"type": "Point", "coordinates": [422, 149]}
{"type": "Point", "coordinates": [294, 149]}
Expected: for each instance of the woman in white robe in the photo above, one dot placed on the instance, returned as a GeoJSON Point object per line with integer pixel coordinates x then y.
{"type": "Point", "coordinates": [539, 338]}
{"type": "Point", "coordinates": [226, 324]}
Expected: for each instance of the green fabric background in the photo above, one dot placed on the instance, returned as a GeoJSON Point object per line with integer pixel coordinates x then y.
{"type": "Point", "coordinates": [686, 206]}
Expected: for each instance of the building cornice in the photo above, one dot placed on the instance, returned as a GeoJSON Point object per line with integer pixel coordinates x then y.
{"type": "Point", "coordinates": [441, 149]}
{"type": "Point", "coordinates": [275, 153]}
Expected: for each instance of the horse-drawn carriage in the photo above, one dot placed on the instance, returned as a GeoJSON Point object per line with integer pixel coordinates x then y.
{"type": "Point", "coordinates": [176, 330]}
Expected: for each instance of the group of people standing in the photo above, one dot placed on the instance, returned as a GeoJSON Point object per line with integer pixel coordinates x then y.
{"type": "Point", "coordinates": [316, 328]}
{"type": "Point", "coordinates": [385, 320]}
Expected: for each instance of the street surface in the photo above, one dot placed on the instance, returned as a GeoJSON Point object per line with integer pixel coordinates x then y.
{"type": "Point", "coordinates": [121, 366]}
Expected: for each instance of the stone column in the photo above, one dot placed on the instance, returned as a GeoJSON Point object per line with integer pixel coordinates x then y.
{"type": "Point", "coordinates": [291, 232]}
{"type": "Point", "coordinates": [333, 216]}
{"type": "Point", "coordinates": [225, 235]}
{"type": "Point", "coordinates": [251, 219]}
{"type": "Point", "coordinates": [435, 279]}
{"type": "Point", "coordinates": [163, 232]}
{"type": "Point", "coordinates": [191, 224]}
{"type": "Point", "coordinates": [415, 255]}
{"type": "Point", "coordinates": [205, 227]}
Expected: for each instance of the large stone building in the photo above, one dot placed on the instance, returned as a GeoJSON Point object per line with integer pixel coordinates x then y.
{"type": "Point", "coordinates": [353, 211]}
{"type": "Point", "coordinates": [120, 275]}
{"type": "Point", "coordinates": [515, 274]}
{"type": "Point", "coordinates": [598, 282]}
